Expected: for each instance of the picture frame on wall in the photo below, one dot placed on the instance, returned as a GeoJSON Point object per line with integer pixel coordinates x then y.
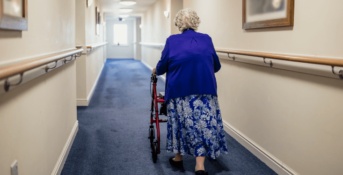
{"type": "Point", "coordinates": [97, 21]}
{"type": "Point", "coordinates": [13, 15]}
{"type": "Point", "coordinates": [267, 13]}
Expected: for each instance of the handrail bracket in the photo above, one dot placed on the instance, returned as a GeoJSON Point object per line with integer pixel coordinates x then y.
{"type": "Point", "coordinates": [47, 68]}
{"type": "Point", "coordinates": [89, 50]}
{"type": "Point", "coordinates": [73, 57]}
{"type": "Point", "coordinates": [340, 73]}
{"type": "Point", "coordinates": [78, 54]}
{"type": "Point", "coordinates": [270, 62]}
{"type": "Point", "coordinates": [233, 57]}
{"type": "Point", "coordinates": [7, 84]}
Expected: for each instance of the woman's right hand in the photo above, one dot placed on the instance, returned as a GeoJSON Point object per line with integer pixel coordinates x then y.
{"type": "Point", "coordinates": [154, 71]}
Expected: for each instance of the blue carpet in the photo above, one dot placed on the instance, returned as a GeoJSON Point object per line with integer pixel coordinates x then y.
{"type": "Point", "coordinates": [113, 132]}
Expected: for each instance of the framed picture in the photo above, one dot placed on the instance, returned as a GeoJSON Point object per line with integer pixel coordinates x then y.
{"type": "Point", "coordinates": [97, 21]}
{"type": "Point", "coordinates": [267, 13]}
{"type": "Point", "coordinates": [13, 14]}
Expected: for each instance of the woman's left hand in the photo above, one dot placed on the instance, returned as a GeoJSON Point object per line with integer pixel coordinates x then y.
{"type": "Point", "coordinates": [154, 71]}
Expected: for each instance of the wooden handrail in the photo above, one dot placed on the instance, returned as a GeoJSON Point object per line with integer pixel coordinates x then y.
{"type": "Point", "coordinates": [303, 59]}
{"type": "Point", "coordinates": [20, 68]}
{"type": "Point", "coordinates": [96, 45]}
{"type": "Point", "coordinates": [156, 45]}
{"type": "Point", "coordinates": [151, 44]}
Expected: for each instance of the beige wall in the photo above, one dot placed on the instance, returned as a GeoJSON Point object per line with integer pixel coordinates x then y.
{"type": "Point", "coordinates": [297, 118]}
{"type": "Point", "coordinates": [51, 32]}
{"type": "Point", "coordinates": [81, 64]}
{"type": "Point", "coordinates": [37, 118]}
{"type": "Point", "coordinates": [94, 67]}
{"type": "Point", "coordinates": [89, 65]}
{"type": "Point", "coordinates": [137, 48]}
{"type": "Point", "coordinates": [80, 22]}
{"type": "Point", "coordinates": [156, 29]}
{"type": "Point", "coordinates": [91, 37]}
{"type": "Point", "coordinates": [313, 33]}
{"type": "Point", "coordinates": [175, 6]}
{"type": "Point", "coordinates": [80, 40]}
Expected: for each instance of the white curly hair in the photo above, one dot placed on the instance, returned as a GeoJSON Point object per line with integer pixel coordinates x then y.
{"type": "Point", "coordinates": [187, 18]}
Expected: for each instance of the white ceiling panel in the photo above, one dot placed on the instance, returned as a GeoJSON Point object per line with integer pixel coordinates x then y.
{"type": "Point", "coordinates": [111, 7]}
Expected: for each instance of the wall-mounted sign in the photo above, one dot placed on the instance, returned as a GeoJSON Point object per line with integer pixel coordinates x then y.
{"type": "Point", "coordinates": [13, 14]}
{"type": "Point", "coordinates": [89, 3]}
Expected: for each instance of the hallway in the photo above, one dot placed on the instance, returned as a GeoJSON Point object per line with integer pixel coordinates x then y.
{"type": "Point", "coordinates": [113, 132]}
{"type": "Point", "coordinates": [75, 86]}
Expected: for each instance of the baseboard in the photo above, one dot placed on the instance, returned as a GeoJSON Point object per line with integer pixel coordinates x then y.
{"type": "Point", "coordinates": [85, 102]}
{"type": "Point", "coordinates": [65, 152]}
{"type": "Point", "coordinates": [149, 67]}
{"type": "Point", "coordinates": [82, 102]}
{"type": "Point", "coordinates": [275, 164]}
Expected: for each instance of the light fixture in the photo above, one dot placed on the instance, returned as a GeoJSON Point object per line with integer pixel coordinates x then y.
{"type": "Point", "coordinates": [89, 3]}
{"type": "Point", "coordinates": [125, 10]}
{"type": "Point", "coordinates": [124, 16]}
{"type": "Point", "coordinates": [166, 14]}
{"type": "Point", "coordinates": [127, 2]}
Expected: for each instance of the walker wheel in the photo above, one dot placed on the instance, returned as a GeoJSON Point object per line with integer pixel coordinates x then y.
{"type": "Point", "coordinates": [154, 152]}
{"type": "Point", "coordinates": [151, 134]}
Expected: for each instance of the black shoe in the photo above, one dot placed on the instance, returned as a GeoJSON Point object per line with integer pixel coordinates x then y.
{"type": "Point", "coordinates": [178, 164]}
{"type": "Point", "coordinates": [201, 172]}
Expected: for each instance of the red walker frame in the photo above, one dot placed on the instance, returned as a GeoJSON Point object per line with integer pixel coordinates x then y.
{"type": "Point", "coordinates": [155, 145]}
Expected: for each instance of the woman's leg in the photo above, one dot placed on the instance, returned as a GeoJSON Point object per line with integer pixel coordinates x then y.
{"type": "Point", "coordinates": [200, 163]}
{"type": "Point", "coordinates": [178, 157]}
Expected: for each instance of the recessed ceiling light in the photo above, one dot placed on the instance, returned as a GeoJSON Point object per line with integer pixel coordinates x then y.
{"type": "Point", "coordinates": [124, 16]}
{"type": "Point", "coordinates": [125, 10]}
{"type": "Point", "coordinates": [124, 2]}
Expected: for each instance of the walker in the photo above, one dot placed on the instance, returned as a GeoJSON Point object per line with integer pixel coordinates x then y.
{"type": "Point", "coordinates": [155, 144]}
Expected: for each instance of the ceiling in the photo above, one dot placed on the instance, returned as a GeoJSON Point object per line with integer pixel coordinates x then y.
{"type": "Point", "coordinates": [111, 7]}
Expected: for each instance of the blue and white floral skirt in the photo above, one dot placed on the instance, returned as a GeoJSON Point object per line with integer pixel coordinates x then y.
{"type": "Point", "coordinates": [195, 126]}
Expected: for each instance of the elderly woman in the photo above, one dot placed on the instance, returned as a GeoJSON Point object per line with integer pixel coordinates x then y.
{"type": "Point", "coordinates": [194, 121]}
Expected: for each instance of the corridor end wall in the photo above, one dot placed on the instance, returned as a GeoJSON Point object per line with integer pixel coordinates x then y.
{"type": "Point", "coordinates": [120, 52]}
{"type": "Point", "coordinates": [38, 119]}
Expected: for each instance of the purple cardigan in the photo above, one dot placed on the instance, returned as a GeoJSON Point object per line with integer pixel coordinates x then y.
{"type": "Point", "coordinates": [190, 61]}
